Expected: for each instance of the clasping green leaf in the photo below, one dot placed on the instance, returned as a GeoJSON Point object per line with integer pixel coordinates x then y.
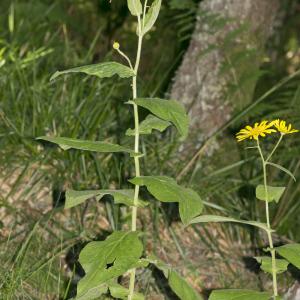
{"type": "Point", "coordinates": [177, 283]}
{"type": "Point", "coordinates": [220, 219]}
{"type": "Point", "coordinates": [266, 264]}
{"type": "Point", "coordinates": [135, 7]}
{"type": "Point", "coordinates": [119, 292]}
{"type": "Point", "coordinates": [120, 251]}
{"type": "Point", "coordinates": [102, 147]}
{"type": "Point", "coordinates": [151, 16]}
{"type": "Point", "coordinates": [102, 70]}
{"type": "Point", "coordinates": [282, 169]}
{"type": "Point", "coordinates": [74, 198]}
{"type": "Point", "coordinates": [151, 122]}
{"type": "Point", "coordinates": [168, 110]}
{"type": "Point", "coordinates": [290, 252]}
{"type": "Point", "coordinates": [166, 189]}
{"type": "Point", "coordinates": [274, 193]}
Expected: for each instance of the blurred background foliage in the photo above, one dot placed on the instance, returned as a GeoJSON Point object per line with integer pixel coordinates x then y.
{"type": "Point", "coordinates": [39, 241]}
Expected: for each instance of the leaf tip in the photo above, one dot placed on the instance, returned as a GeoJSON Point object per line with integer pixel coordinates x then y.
{"type": "Point", "coordinates": [68, 205]}
{"type": "Point", "coordinates": [55, 75]}
{"type": "Point", "coordinates": [40, 138]}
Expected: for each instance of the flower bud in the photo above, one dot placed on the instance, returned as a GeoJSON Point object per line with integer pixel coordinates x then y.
{"type": "Point", "coordinates": [116, 46]}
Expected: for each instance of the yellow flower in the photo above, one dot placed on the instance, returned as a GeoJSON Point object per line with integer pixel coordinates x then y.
{"type": "Point", "coordinates": [281, 126]}
{"type": "Point", "coordinates": [116, 45]}
{"type": "Point", "coordinates": [259, 129]}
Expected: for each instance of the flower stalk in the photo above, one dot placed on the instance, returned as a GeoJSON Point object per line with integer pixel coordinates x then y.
{"type": "Point", "coordinates": [269, 234]}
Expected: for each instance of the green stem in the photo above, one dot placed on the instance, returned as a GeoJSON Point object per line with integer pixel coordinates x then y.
{"type": "Point", "coordinates": [136, 149]}
{"type": "Point", "coordinates": [271, 246]}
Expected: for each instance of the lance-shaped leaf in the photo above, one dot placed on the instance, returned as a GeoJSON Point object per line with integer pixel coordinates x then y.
{"type": "Point", "coordinates": [151, 122]}
{"type": "Point", "coordinates": [266, 264]}
{"type": "Point", "coordinates": [126, 197]}
{"type": "Point", "coordinates": [105, 260]}
{"type": "Point", "coordinates": [273, 193]}
{"type": "Point", "coordinates": [290, 252]}
{"type": "Point", "coordinates": [190, 206]}
{"type": "Point", "coordinates": [178, 284]}
{"type": "Point", "coordinates": [282, 169]}
{"type": "Point", "coordinates": [166, 189]}
{"type": "Point", "coordinates": [107, 69]}
{"type": "Point", "coordinates": [181, 288]}
{"type": "Point", "coordinates": [103, 147]}
{"type": "Point", "coordinates": [168, 110]}
{"type": "Point", "coordinates": [220, 219]}
{"type": "Point", "coordinates": [151, 15]}
{"type": "Point", "coordinates": [135, 7]}
{"type": "Point", "coordinates": [239, 295]}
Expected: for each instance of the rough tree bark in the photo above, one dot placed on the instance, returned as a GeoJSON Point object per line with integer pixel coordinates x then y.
{"type": "Point", "coordinates": [199, 83]}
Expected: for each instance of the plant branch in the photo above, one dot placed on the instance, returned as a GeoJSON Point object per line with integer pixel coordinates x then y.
{"type": "Point", "coordinates": [275, 148]}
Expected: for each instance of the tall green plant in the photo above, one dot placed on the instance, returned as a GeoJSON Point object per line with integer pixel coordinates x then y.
{"type": "Point", "coordinates": [290, 253]}
{"type": "Point", "coordinates": [122, 252]}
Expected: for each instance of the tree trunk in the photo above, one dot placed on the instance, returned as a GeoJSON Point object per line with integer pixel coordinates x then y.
{"type": "Point", "coordinates": [221, 65]}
